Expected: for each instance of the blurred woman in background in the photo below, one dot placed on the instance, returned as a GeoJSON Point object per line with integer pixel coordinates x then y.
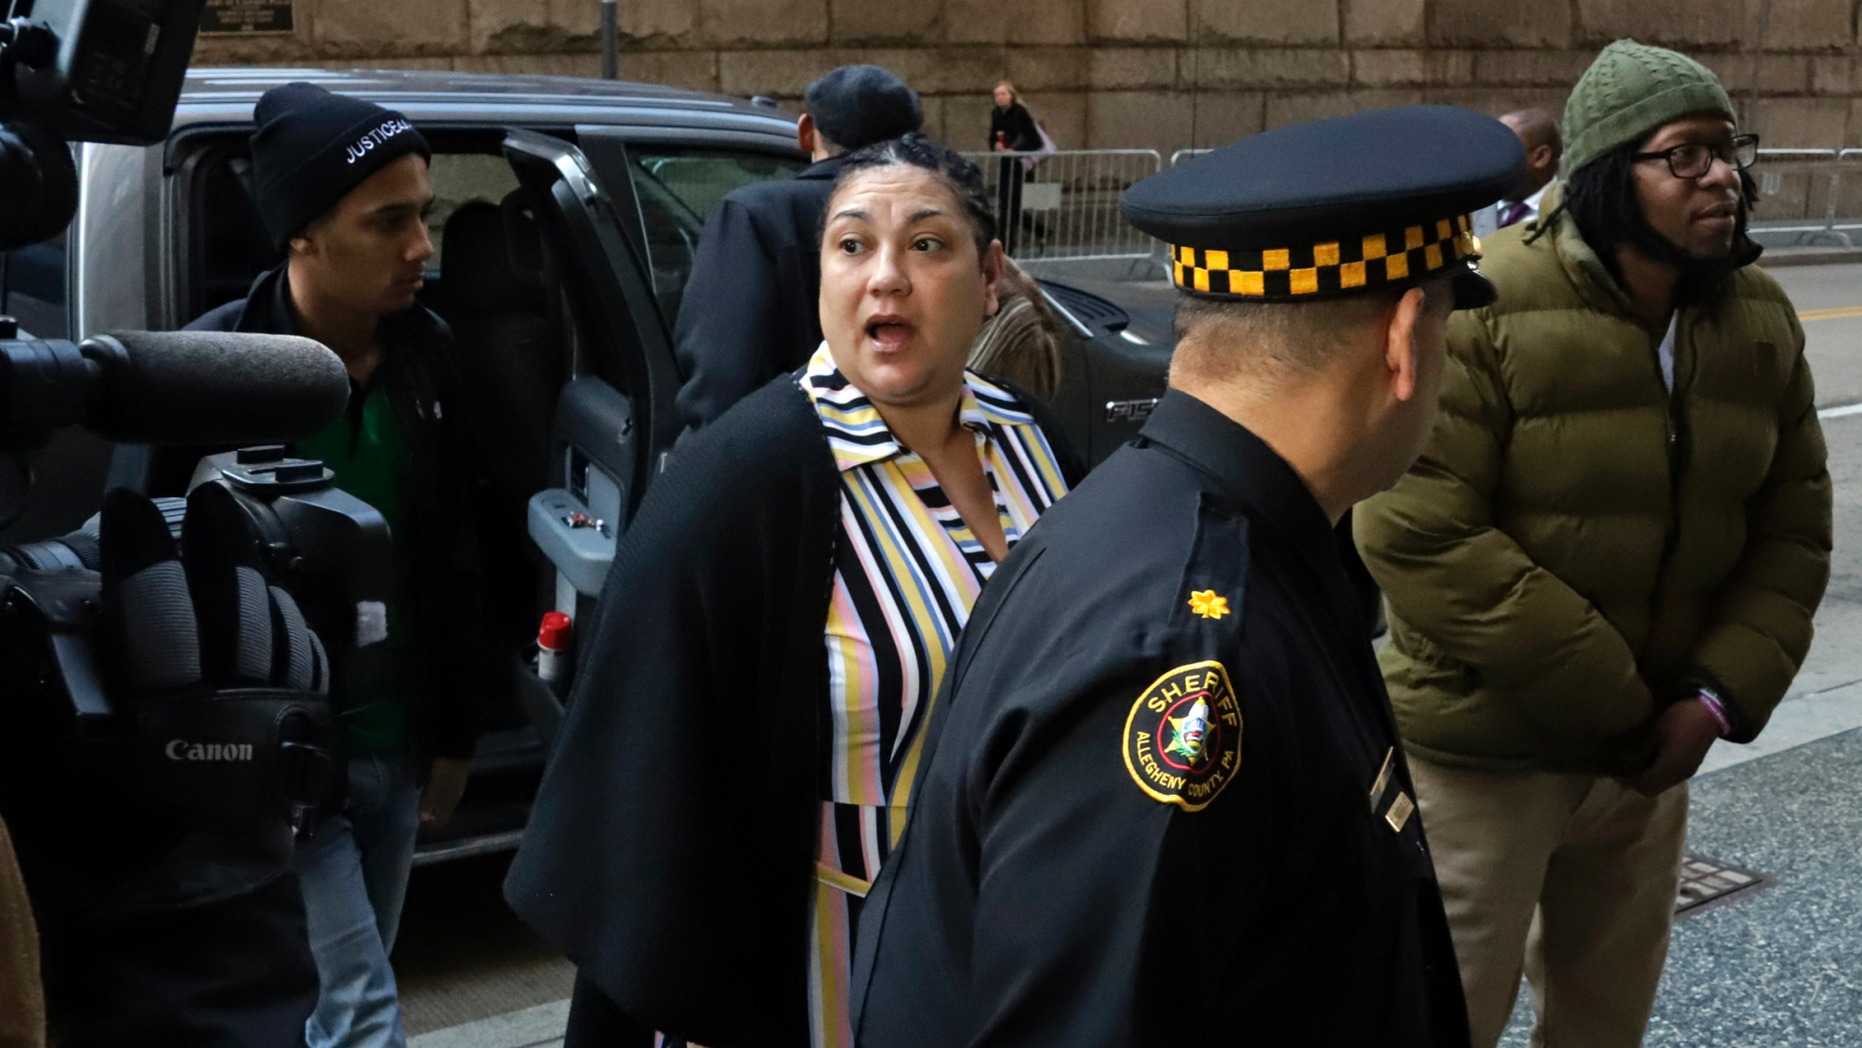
{"type": "Point", "coordinates": [1012, 129]}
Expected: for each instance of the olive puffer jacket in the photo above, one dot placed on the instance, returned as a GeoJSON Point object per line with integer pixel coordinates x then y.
{"type": "Point", "coordinates": [1579, 547]}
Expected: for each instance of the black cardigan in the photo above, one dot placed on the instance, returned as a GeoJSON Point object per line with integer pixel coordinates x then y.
{"type": "Point", "coordinates": [671, 850]}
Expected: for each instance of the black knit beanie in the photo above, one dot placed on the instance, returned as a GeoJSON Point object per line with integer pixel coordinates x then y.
{"type": "Point", "coordinates": [313, 147]}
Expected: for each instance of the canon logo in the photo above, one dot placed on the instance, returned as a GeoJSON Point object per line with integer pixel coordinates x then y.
{"type": "Point", "coordinates": [183, 750]}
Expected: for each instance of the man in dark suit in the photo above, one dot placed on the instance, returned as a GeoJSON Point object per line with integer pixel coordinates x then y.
{"type": "Point", "coordinates": [749, 312]}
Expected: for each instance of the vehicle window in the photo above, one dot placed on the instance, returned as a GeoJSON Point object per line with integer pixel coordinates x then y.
{"type": "Point", "coordinates": [459, 179]}
{"type": "Point", "coordinates": [234, 248]}
{"type": "Point", "coordinates": [677, 189]}
{"type": "Point", "coordinates": [32, 288]}
{"type": "Point", "coordinates": [508, 357]}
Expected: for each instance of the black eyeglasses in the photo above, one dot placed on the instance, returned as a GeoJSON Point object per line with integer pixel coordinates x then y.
{"type": "Point", "coordinates": [1694, 159]}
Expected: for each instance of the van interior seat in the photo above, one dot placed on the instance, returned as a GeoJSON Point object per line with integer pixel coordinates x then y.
{"type": "Point", "coordinates": [511, 367]}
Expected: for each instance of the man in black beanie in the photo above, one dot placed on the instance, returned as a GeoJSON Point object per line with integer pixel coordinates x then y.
{"type": "Point", "coordinates": [343, 189]}
{"type": "Point", "coordinates": [750, 310]}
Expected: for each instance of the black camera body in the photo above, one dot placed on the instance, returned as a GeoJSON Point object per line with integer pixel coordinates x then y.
{"type": "Point", "coordinates": [81, 71]}
{"type": "Point", "coordinates": [237, 761]}
{"type": "Point", "coordinates": [97, 70]}
{"type": "Point", "coordinates": [328, 549]}
{"type": "Point", "coordinates": [155, 826]}
{"type": "Point", "coordinates": [111, 71]}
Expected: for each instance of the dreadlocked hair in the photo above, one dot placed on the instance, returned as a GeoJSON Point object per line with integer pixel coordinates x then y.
{"type": "Point", "coordinates": [1601, 199]}
{"type": "Point", "coordinates": [961, 176]}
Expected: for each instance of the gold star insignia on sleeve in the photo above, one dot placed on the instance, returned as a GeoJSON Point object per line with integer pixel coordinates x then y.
{"type": "Point", "coordinates": [1208, 605]}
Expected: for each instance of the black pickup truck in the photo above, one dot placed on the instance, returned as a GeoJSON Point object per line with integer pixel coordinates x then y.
{"type": "Point", "coordinates": [566, 218]}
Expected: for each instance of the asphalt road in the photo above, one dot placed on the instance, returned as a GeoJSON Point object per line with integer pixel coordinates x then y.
{"type": "Point", "coordinates": [469, 971]}
{"type": "Point", "coordinates": [1829, 303]}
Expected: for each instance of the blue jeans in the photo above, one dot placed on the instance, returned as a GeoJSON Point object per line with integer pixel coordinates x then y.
{"type": "Point", "coordinates": [354, 872]}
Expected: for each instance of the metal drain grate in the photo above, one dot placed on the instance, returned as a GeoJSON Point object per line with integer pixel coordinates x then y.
{"type": "Point", "coordinates": [1708, 882]}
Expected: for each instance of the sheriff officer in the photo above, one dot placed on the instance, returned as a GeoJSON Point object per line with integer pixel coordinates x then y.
{"type": "Point", "coordinates": [1167, 803]}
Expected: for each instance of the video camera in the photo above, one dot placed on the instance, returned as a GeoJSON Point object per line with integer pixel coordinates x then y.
{"type": "Point", "coordinates": [194, 389]}
{"type": "Point", "coordinates": [111, 71]}
{"type": "Point", "coordinates": [64, 717]}
{"type": "Point", "coordinates": [97, 70]}
{"type": "Point", "coordinates": [165, 725]}
{"type": "Point", "coordinates": [80, 71]}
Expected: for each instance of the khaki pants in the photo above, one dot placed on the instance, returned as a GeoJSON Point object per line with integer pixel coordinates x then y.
{"type": "Point", "coordinates": [22, 1004]}
{"type": "Point", "coordinates": [1570, 879]}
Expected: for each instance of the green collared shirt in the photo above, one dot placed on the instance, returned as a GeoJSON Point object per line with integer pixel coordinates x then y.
{"type": "Point", "coordinates": [368, 449]}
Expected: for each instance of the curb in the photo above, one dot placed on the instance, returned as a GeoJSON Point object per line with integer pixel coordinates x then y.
{"type": "Point", "coordinates": [1776, 257]}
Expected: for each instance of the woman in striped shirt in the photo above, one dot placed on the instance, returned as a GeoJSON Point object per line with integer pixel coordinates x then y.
{"type": "Point", "coordinates": [798, 577]}
{"type": "Point", "coordinates": [941, 472]}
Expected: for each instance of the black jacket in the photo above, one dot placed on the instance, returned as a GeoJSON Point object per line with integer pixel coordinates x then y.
{"type": "Point", "coordinates": [418, 371]}
{"type": "Point", "coordinates": [671, 850]}
{"type": "Point", "coordinates": [1083, 869]}
{"type": "Point", "coordinates": [1016, 126]}
{"type": "Point", "coordinates": [751, 309]}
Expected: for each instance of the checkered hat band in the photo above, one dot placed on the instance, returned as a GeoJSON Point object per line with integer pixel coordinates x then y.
{"type": "Point", "coordinates": [1377, 260]}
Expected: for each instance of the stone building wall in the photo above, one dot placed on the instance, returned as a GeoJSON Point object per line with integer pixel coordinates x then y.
{"type": "Point", "coordinates": [1162, 74]}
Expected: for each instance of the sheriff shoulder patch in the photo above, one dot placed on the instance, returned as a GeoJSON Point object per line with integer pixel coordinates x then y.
{"type": "Point", "coordinates": [1183, 736]}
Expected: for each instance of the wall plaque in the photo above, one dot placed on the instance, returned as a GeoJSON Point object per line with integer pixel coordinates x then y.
{"type": "Point", "coordinates": [238, 17]}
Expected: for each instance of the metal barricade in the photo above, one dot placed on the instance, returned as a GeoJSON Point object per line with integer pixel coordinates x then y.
{"type": "Point", "coordinates": [1845, 197]}
{"type": "Point", "coordinates": [1064, 206]}
{"type": "Point", "coordinates": [1800, 195]}
{"type": "Point", "coordinates": [1069, 202]}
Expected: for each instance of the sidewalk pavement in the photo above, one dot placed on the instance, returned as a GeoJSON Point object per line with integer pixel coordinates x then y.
{"type": "Point", "coordinates": [538, 1027]}
{"type": "Point", "coordinates": [1818, 255]}
{"type": "Point", "coordinates": [1776, 968]}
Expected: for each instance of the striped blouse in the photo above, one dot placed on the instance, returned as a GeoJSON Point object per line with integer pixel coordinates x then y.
{"type": "Point", "coordinates": [907, 573]}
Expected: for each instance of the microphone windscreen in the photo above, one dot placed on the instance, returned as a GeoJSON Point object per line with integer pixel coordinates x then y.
{"type": "Point", "coordinates": [214, 387]}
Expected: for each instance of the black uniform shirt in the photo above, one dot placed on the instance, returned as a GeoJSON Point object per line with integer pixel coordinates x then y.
{"type": "Point", "coordinates": [1154, 815]}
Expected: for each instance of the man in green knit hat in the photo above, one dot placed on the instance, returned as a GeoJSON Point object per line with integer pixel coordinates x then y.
{"type": "Point", "coordinates": [1610, 555]}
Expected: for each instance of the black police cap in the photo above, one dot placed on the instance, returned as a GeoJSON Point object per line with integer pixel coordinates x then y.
{"type": "Point", "coordinates": [1359, 203]}
{"type": "Point", "coordinates": [858, 105]}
